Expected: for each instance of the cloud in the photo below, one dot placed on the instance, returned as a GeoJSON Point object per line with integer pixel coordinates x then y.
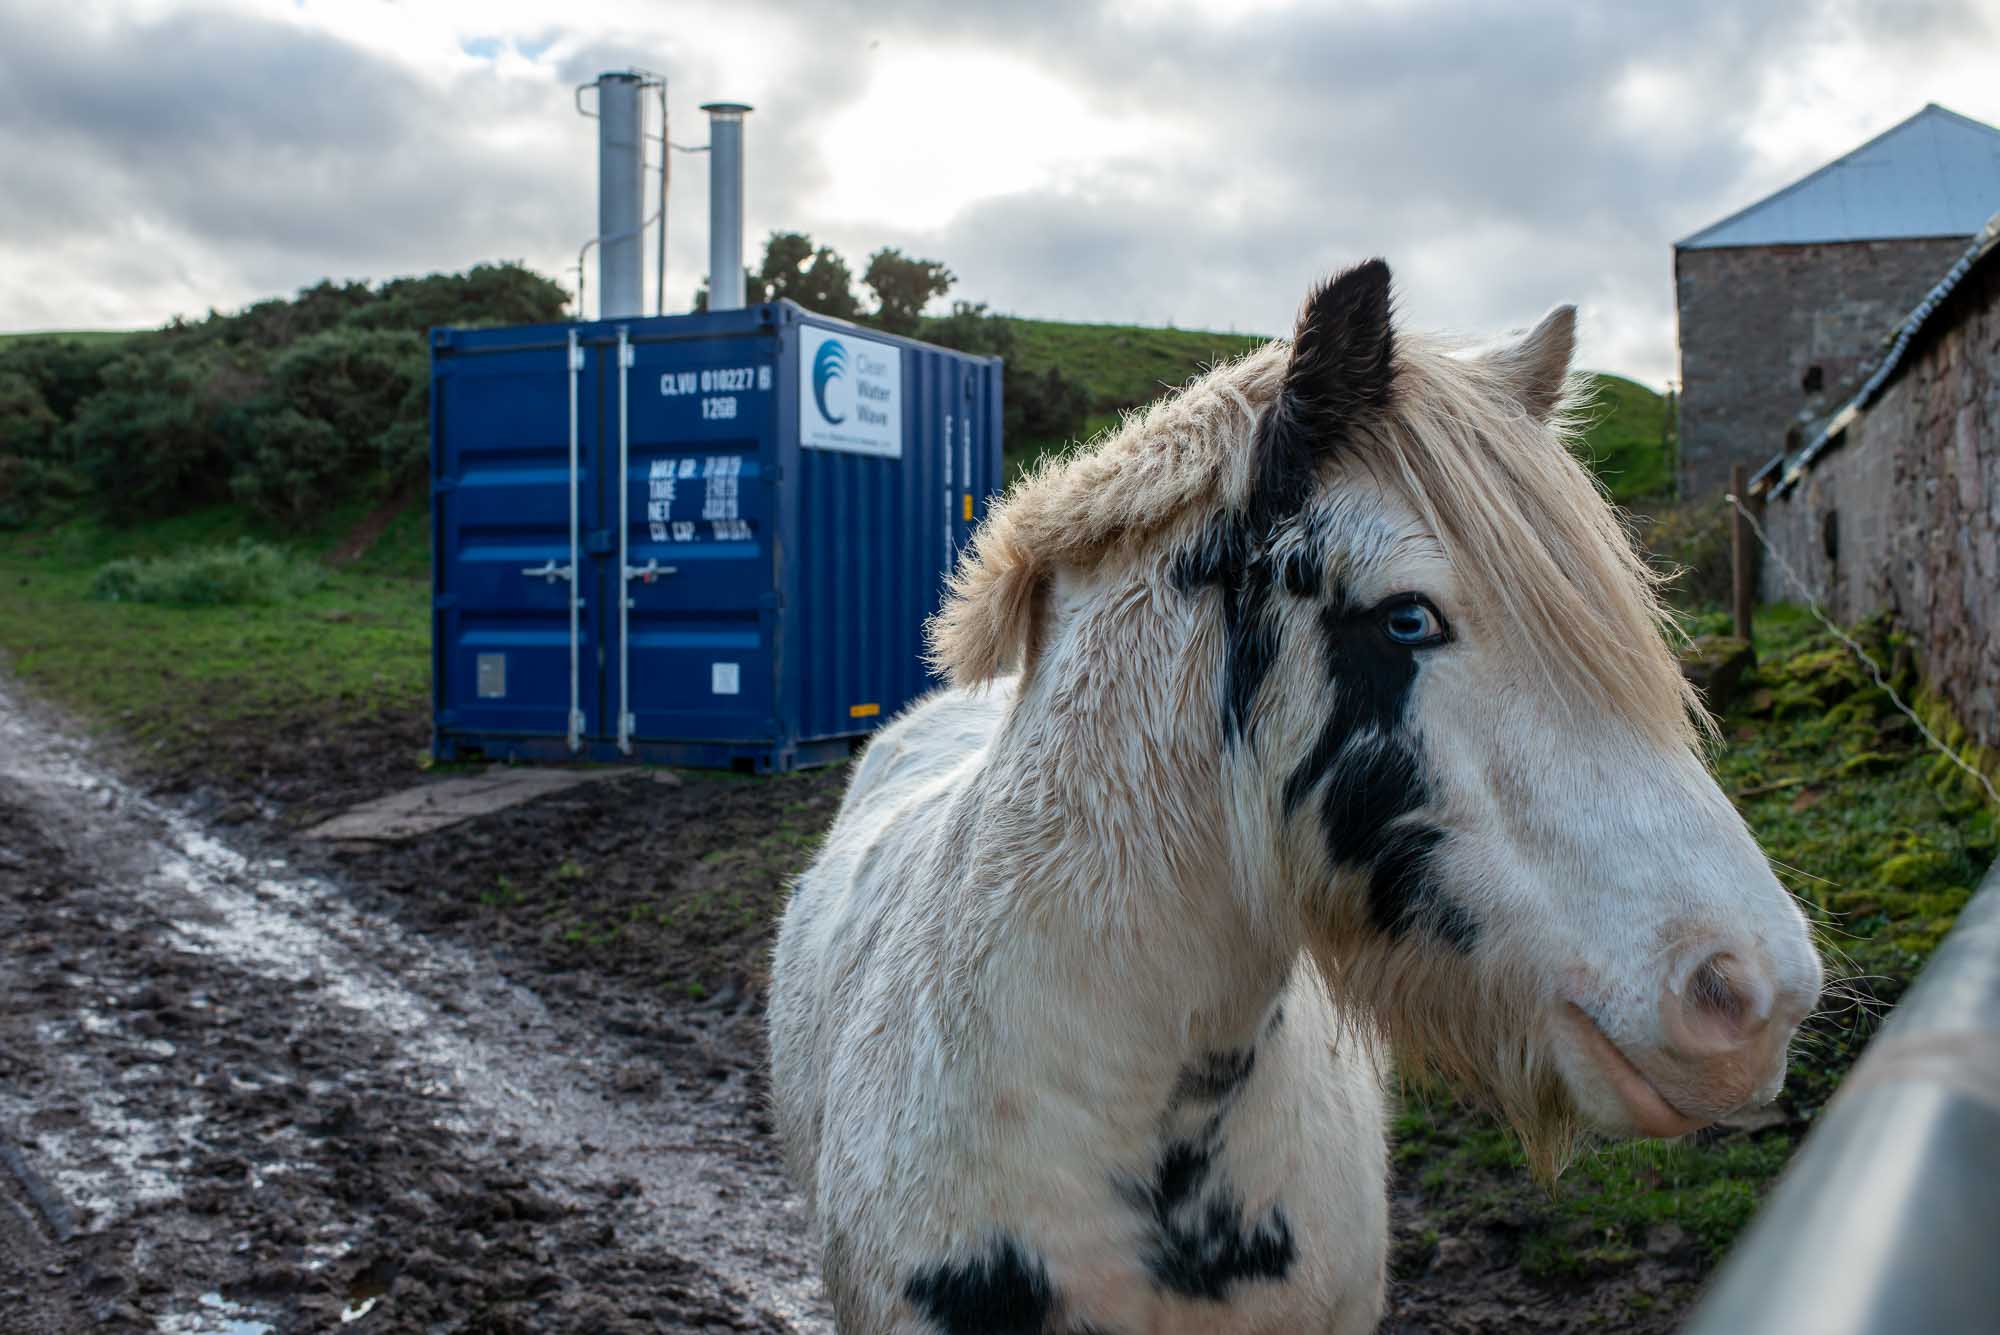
{"type": "Point", "coordinates": [1135, 160]}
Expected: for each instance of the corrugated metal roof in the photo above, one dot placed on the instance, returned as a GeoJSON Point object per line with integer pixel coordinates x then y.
{"type": "Point", "coordinates": [1936, 174]}
{"type": "Point", "coordinates": [1781, 475]}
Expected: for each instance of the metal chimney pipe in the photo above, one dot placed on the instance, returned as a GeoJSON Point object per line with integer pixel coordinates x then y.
{"type": "Point", "coordinates": [621, 166]}
{"type": "Point", "coordinates": [725, 204]}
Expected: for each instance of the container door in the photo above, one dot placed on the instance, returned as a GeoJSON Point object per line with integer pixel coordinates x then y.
{"type": "Point", "coordinates": [517, 633]}
{"type": "Point", "coordinates": [699, 531]}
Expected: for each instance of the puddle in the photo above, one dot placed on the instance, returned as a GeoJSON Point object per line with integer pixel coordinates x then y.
{"type": "Point", "coordinates": [217, 1316]}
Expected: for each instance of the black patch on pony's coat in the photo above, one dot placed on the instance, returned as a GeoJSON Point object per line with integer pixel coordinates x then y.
{"type": "Point", "coordinates": [1003, 1291]}
{"type": "Point", "coordinates": [1224, 558]}
{"type": "Point", "coordinates": [1200, 1242]}
{"type": "Point", "coordinates": [1341, 372]}
{"type": "Point", "coordinates": [1374, 781]}
{"type": "Point", "coordinates": [1214, 1077]}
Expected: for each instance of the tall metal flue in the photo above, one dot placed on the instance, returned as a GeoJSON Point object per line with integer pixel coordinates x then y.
{"type": "Point", "coordinates": [621, 172]}
{"type": "Point", "coordinates": [725, 204]}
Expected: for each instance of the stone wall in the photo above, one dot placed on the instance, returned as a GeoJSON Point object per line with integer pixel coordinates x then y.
{"type": "Point", "coordinates": [1905, 515]}
{"type": "Point", "coordinates": [1755, 320]}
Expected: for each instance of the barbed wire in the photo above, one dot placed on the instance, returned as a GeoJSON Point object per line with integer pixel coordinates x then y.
{"type": "Point", "coordinates": [1874, 668]}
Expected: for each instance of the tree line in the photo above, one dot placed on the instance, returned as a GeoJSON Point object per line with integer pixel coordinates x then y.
{"type": "Point", "coordinates": [1039, 406]}
{"type": "Point", "coordinates": [291, 407]}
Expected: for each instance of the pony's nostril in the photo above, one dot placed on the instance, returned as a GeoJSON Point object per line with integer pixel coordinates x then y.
{"type": "Point", "coordinates": [1724, 999]}
{"type": "Point", "coordinates": [1713, 989]}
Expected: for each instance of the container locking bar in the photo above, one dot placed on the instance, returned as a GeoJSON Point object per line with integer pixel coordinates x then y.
{"type": "Point", "coordinates": [625, 571]}
{"type": "Point", "coordinates": [575, 602]}
{"type": "Point", "coordinates": [550, 571]}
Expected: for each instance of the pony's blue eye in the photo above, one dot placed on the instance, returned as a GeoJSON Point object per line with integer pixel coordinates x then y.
{"type": "Point", "coordinates": [1414, 625]}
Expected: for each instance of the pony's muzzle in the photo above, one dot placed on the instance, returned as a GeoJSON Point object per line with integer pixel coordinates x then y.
{"type": "Point", "coordinates": [1717, 1044]}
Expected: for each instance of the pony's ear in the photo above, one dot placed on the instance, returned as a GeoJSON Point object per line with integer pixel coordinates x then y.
{"type": "Point", "coordinates": [1342, 372]}
{"type": "Point", "coordinates": [1536, 367]}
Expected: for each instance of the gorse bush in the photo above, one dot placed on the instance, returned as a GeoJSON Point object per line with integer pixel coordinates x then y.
{"type": "Point", "coordinates": [287, 407]}
{"type": "Point", "coordinates": [249, 572]}
{"type": "Point", "coordinates": [147, 440]}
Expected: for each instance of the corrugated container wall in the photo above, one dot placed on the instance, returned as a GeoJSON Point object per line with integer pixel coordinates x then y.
{"type": "Point", "coordinates": [793, 492]}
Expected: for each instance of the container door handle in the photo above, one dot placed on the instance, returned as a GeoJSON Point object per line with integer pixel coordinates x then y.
{"type": "Point", "coordinates": [650, 571]}
{"type": "Point", "coordinates": [549, 571]}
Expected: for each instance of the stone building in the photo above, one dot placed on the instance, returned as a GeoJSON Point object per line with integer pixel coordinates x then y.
{"type": "Point", "coordinates": [1894, 504]}
{"type": "Point", "coordinates": [1783, 305]}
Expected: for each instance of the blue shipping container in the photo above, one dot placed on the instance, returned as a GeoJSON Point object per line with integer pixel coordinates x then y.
{"type": "Point", "coordinates": [775, 497]}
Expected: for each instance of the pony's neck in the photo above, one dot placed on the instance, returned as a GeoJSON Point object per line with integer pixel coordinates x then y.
{"type": "Point", "coordinates": [1108, 792]}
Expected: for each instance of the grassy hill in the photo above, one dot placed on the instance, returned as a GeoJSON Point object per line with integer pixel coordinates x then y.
{"type": "Point", "coordinates": [75, 335]}
{"type": "Point", "coordinates": [1125, 366]}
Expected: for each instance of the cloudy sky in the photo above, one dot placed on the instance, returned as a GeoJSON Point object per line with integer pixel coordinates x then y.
{"type": "Point", "coordinates": [1141, 161]}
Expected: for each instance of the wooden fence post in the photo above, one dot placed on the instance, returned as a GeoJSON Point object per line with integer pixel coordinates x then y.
{"type": "Point", "coordinates": [1742, 553]}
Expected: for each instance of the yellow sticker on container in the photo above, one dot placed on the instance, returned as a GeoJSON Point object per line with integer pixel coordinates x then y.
{"type": "Point", "coordinates": [968, 507]}
{"type": "Point", "coordinates": [869, 710]}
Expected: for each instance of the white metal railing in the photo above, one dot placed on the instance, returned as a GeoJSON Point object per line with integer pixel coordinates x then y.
{"type": "Point", "coordinates": [1888, 1218]}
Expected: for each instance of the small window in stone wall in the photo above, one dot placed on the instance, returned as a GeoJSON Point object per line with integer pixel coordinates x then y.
{"type": "Point", "coordinates": [1829, 535]}
{"type": "Point", "coordinates": [1814, 381]}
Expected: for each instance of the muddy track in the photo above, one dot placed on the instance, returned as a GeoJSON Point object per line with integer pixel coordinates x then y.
{"type": "Point", "coordinates": [254, 1106]}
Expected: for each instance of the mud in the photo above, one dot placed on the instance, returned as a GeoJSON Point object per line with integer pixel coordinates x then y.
{"type": "Point", "coordinates": [503, 1077]}
{"type": "Point", "coordinates": [255, 1104]}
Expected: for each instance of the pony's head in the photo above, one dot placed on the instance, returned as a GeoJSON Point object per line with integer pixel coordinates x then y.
{"type": "Point", "coordinates": [1365, 575]}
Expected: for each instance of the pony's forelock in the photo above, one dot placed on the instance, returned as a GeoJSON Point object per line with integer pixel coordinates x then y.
{"type": "Point", "coordinates": [1523, 523]}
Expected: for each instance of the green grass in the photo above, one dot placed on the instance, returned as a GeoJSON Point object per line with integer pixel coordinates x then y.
{"type": "Point", "coordinates": [1627, 440]}
{"type": "Point", "coordinates": [77, 335]}
{"type": "Point", "coordinates": [348, 644]}
{"type": "Point", "coordinates": [1124, 365]}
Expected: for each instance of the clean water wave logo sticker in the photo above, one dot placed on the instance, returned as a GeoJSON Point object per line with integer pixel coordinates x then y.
{"type": "Point", "coordinates": [850, 392]}
{"type": "Point", "coordinates": [829, 365]}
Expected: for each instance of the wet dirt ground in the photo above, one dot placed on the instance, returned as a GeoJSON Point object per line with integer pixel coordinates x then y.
{"type": "Point", "coordinates": [236, 1097]}
{"type": "Point", "coordinates": [503, 1077]}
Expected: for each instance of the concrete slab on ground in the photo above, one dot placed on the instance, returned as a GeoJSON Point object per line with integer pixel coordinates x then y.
{"type": "Point", "coordinates": [433, 806]}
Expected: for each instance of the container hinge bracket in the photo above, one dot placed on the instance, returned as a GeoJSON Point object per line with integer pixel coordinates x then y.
{"type": "Point", "coordinates": [575, 729]}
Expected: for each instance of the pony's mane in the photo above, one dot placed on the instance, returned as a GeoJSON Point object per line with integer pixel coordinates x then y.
{"type": "Point", "coordinates": [1523, 523]}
